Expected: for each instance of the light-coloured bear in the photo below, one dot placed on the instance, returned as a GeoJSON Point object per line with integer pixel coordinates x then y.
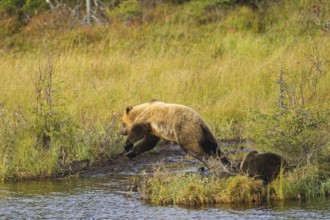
{"type": "Point", "coordinates": [147, 123]}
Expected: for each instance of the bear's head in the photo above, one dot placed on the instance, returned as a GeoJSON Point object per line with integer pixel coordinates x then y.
{"type": "Point", "coordinates": [131, 113]}
{"type": "Point", "coordinates": [128, 120]}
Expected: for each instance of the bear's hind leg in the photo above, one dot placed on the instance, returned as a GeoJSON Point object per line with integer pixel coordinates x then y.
{"type": "Point", "coordinates": [195, 150]}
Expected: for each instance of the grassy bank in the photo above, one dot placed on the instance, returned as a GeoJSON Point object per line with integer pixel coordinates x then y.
{"type": "Point", "coordinates": [187, 189]}
{"type": "Point", "coordinates": [63, 89]}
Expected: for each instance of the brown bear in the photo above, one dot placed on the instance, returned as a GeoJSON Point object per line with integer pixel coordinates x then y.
{"type": "Point", "coordinates": [147, 123]}
{"type": "Point", "coordinates": [265, 166]}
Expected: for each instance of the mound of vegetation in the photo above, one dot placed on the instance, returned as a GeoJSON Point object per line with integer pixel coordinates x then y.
{"type": "Point", "coordinates": [165, 188]}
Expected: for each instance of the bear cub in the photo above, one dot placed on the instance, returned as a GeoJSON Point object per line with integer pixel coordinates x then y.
{"type": "Point", "coordinates": [265, 166]}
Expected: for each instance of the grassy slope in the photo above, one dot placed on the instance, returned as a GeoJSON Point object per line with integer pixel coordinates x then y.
{"type": "Point", "coordinates": [223, 70]}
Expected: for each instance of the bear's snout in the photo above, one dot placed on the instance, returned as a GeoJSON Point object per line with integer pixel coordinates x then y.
{"type": "Point", "coordinates": [124, 130]}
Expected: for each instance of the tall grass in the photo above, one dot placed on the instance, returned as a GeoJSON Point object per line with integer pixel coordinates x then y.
{"type": "Point", "coordinates": [222, 69]}
{"type": "Point", "coordinates": [41, 133]}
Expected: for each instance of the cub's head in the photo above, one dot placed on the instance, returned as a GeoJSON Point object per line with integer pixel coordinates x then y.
{"type": "Point", "coordinates": [251, 155]}
{"type": "Point", "coordinates": [248, 158]}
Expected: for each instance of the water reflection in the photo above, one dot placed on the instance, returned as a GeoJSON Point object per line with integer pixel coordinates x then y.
{"type": "Point", "coordinates": [108, 198]}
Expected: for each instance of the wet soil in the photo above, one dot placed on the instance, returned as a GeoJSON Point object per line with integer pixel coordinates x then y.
{"type": "Point", "coordinates": [162, 155]}
{"type": "Point", "coordinates": [166, 153]}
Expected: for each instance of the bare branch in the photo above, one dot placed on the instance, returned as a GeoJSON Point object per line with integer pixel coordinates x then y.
{"type": "Point", "coordinates": [51, 5]}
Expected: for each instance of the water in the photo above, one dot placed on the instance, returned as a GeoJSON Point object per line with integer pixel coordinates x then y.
{"type": "Point", "coordinates": [109, 198]}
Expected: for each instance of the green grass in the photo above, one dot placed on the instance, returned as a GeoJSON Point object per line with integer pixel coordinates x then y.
{"type": "Point", "coordinates": [192, 189]}
{"type": "Point", "coordinates": [225, 70]}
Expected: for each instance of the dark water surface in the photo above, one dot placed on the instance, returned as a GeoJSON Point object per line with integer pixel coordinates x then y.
{"type": "Point", "coordinates": [109, 198]}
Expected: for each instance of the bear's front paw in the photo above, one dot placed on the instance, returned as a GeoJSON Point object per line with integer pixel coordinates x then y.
{"type": "Point", "coordinates": [128, 146]}
{"type": "Point", "coordinates": [131, 154]}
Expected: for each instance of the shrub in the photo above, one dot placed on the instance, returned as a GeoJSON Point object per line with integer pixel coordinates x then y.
{"type": "Point", "coordinates": [208, 10]}
{"type": "Point", "coordinates": [298, 128]}
{"type": "Point", "coordinates": [127, 10]}
{"type": "Point", "coordinates": [22, 7]}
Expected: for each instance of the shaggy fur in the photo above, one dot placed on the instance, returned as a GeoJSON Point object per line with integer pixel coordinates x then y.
{"type": "Point", "coordinates": [265, 166]}
{"type": "Point", "coordinates": [145, 124]}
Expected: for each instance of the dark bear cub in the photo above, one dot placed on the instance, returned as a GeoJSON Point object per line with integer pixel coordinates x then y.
{"type": "Point", "coordinates": [265, 166]}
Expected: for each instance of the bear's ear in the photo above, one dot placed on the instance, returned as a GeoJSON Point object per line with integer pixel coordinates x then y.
{"type": "Point", "coordinates": [129, 108]}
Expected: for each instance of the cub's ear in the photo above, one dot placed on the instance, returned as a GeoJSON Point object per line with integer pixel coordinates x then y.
{"type": "Point", "coordinates": [129, 108]}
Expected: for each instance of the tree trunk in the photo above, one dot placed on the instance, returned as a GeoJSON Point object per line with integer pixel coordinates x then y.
{"type": "Point", "coordinates": [88, 12]}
